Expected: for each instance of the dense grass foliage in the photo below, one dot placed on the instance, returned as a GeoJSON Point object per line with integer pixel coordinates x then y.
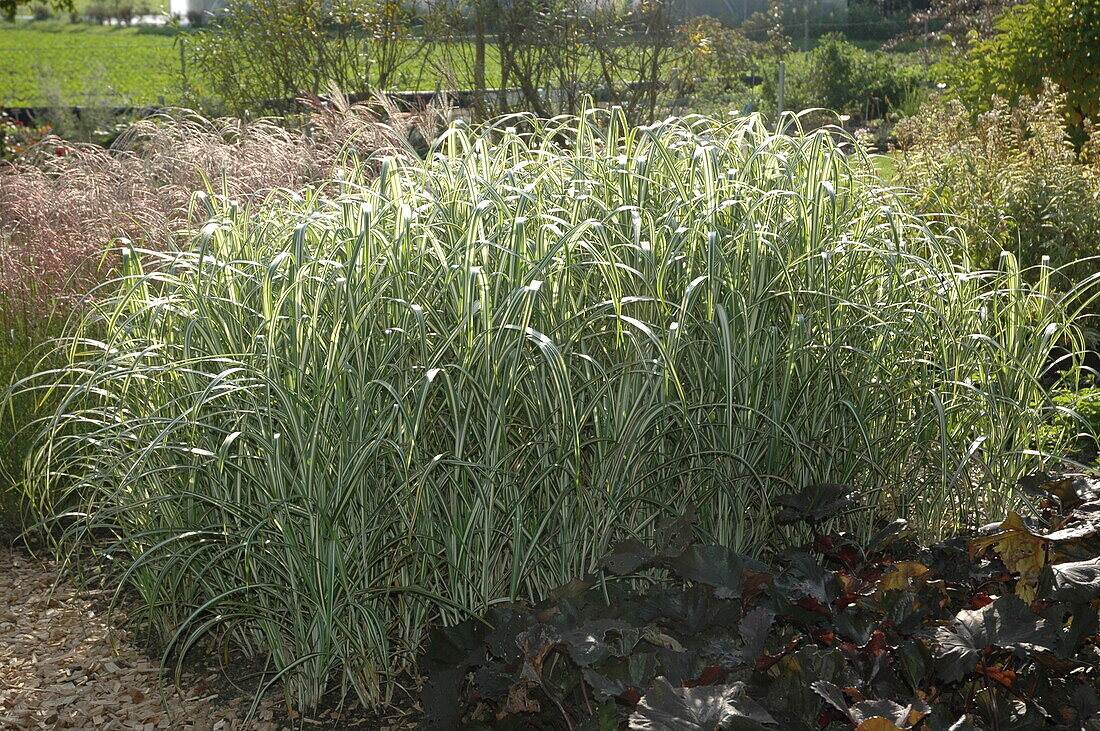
{"type": "Point", "coordinates": [61, 204]}
{"type": "Point", "coordinates": [19, 353]}
{"type": "Point", "coordinates": [348, 412]}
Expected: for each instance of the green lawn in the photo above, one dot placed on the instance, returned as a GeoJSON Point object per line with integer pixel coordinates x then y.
{"type": "Point", "coordinates": [93, 64]}
{"type": "Point", "coordinates": [47, 62]}
{"type": "Point", "coordinates": [153, 6]}
{"type": "Point", "coordinates": [886, 166]}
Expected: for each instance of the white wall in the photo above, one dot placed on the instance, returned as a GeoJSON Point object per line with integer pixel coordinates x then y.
{"type": "Point", "coordinates": [180, 8]}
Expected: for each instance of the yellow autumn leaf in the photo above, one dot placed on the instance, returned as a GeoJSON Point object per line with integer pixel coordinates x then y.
{"type": "Point", "coordinates": [900, 577]}
{"type": "Point", "coordinates": [1021, 551]}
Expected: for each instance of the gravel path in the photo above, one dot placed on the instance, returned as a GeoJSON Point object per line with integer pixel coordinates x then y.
{"type": "Point", "coordinates": [63, 667]}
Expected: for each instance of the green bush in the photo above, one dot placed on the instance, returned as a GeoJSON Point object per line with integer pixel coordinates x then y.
{"type": "Point", "coordinates": [1036, 41]}
{"type": "Point", "coordinates": [262, 51]}
{"type": "Point", "coordinates": [719, 66]}
{"type": "Point", "coordinates": [846, 79]}
{"type": "Point", "coordinates": [1008, 178]}
{"type": "Point", "coordinates": [350, 412]}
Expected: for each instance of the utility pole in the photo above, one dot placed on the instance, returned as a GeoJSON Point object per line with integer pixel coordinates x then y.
{"type": "Point", "coordinates": [925, 38]}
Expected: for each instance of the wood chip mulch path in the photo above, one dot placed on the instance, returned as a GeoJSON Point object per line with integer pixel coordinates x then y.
{"type": "Point", "coordinates": [62, 666]}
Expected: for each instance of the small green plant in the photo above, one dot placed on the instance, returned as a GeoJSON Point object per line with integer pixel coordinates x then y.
{"type": "Point", "coordinates": [1077, 424]}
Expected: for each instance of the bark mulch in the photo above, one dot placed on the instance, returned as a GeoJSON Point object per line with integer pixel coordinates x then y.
{"type": "Point", "coordinates": [63, 666]}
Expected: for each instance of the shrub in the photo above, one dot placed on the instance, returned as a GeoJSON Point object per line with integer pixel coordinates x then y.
{"type": "Point", "coordinates": [347, 412]}
{"type": "Point", "coordinates": [846, 79]}
{"type": "Point", "coordinates": [555, 54]}
{"type": "Point", "coordinates": [61, 205]}
{"type": "Point", "coordinates": [41, 12]}
{"type": "Point", "coordinates": [1008, 178]}
{"type": "Point", "coordinates": [269, 51]}
{"type": "Point", "coordinates": [719, 69]}
{"type": "Point", "coordinates": [1033, 42]}
{"type": "Point", "coordinates": [717, 55]}
{"type": "Point", "coordinates": [99, 13]}
{"type": "Point", "coordinates": [124, 14]}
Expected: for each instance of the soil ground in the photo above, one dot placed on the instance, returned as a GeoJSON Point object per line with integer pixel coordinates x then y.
{"type": "Point", "coordinates": [67, 663]}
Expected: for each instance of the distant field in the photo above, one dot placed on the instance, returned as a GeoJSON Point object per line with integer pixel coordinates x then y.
{"type": "Point", "coordinates": [43, 63]}
{"type": "Point", "coordinates": [84, 63]}
{"type": "Point", "coordinates": [94, 64]}
{"type": "Point", "coordinates": [153, 6]}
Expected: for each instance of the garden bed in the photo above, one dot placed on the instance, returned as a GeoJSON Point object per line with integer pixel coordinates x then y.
{"type": "Point", "coordinates": [992, 630]}
{"type": "Point", "coordinates": [996, 629]}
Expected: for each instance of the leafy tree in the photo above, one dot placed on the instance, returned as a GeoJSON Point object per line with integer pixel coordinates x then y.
{"type": "Point", "coordinates": [1042, 39]}
{"type": "Point", "coordinates": [8, 8]}
{"type": "Point", "coordinates": [554, 54]}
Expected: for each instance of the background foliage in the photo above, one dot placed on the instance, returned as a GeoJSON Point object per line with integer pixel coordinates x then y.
{"type": "Point", "coordinates": [271, 50]}
{"type": "Point", "coordinates": [1009, 178]}
{"type": "Point", "coordinates": [839, 76]}
{"type": "Point", "coordinates": [1034, 41]}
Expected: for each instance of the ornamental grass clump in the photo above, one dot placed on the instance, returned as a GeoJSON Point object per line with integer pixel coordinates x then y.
{"type": "Point", "coordinates": [62, 202]}
{"type": "Point", "coordinates": [349, 412]}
